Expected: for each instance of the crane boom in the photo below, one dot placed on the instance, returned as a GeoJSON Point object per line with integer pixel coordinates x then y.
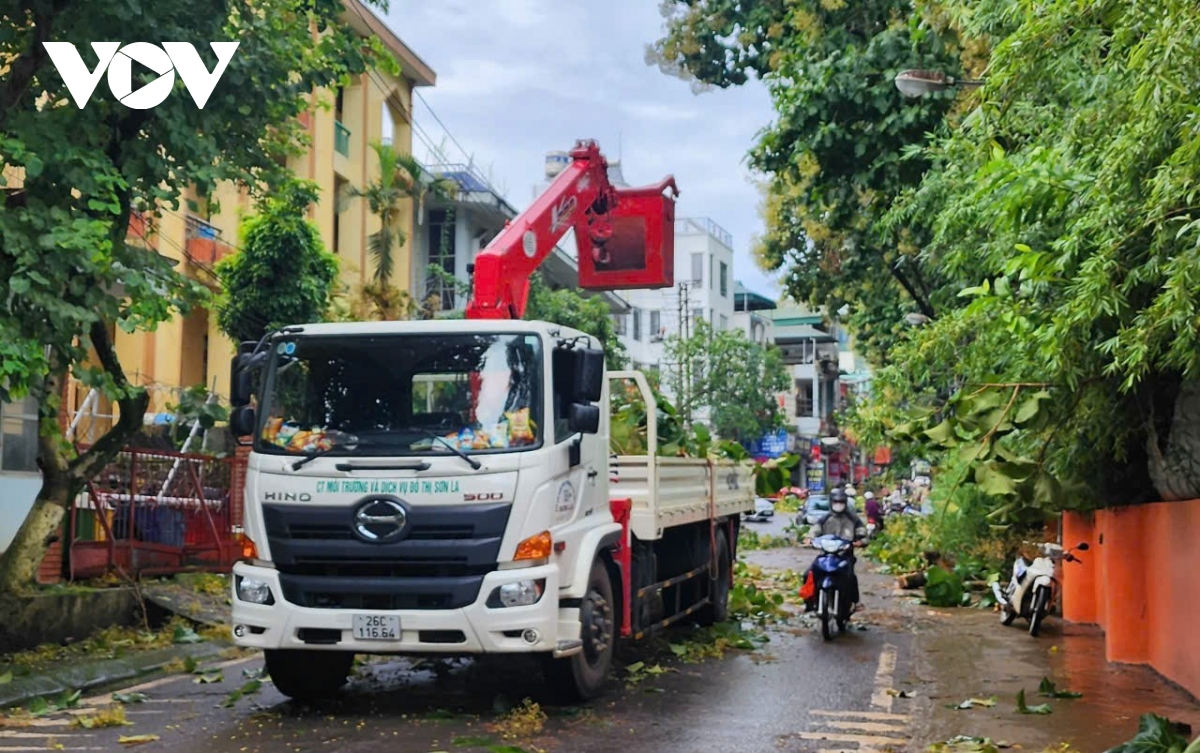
{"type": "Point", "coordinates": [580, 197]}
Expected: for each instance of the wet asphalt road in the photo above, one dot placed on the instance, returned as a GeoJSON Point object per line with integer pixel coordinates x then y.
{"type": "Point", "coordinates": [797, 693]}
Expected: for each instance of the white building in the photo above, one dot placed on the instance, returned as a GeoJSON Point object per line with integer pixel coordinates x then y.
{"type": "Point", "coordinates": [703, 291]}
{"type": "Point", "coordinates": [753, 314]}
{"type": "Point", "coordinates": [452, 233]}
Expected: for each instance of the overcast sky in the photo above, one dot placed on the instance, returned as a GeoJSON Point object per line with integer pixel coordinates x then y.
{"type": "Point", "coordinates": [517, 78]}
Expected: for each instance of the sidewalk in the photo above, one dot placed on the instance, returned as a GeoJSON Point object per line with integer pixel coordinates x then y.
{"type": "Point", "coordinates": [966, 653]}
{"type": "Point", "coordinates": [64, 677]}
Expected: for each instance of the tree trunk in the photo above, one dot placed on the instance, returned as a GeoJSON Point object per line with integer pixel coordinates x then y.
{"type": "Point", "coordinates": [63, 477]}
{"type": "Point", "coordinates": [1174, 464]}
{"type": "Point", "coordinates": [20, 562]}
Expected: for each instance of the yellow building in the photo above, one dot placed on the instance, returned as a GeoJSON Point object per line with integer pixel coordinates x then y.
{"type": "Point", "coordinates": [191, 350]}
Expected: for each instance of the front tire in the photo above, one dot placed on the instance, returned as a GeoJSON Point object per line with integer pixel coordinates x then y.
{"type": "Point", "coordinates": [582, 677]}
{"type": "Point", "coordinates": [717, 610]}
{"type": "Point", "coordinates": [826, 614]}
{"type": "Point", "coordinates": [307, 675]}
{"type": "Point", "coordinates": [1037, 611]}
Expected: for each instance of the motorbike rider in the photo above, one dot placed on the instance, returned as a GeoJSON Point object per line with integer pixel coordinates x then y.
{"type": "Point", "coordinates": [873, 510]}
{"type": "Point", "coordinates": [840, 521]}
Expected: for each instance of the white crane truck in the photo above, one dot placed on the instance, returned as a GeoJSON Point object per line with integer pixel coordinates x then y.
{"type": "Point", "coordinates": [446, 487]}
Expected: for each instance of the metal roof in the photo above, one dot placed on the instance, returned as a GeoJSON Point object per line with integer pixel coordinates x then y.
{"type": "Point", "coordinates": [745, 299]}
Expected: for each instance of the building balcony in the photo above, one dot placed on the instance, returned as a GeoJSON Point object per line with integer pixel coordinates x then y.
{"type": "Point", "coordinates": [341, 138]}
{"type": "Point", "coordinates": [204, 245]}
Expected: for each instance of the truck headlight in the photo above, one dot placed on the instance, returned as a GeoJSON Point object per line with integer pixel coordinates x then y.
{"type": "Point", "coordinates": [254, 591]}
{"type": "Point", "coordinates": [519, 594]}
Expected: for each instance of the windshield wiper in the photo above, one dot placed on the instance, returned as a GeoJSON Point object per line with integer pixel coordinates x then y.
{"type": "Point", "coordinates": [346, 444]}
{"type": "Point", "coordinates": [475, 464]}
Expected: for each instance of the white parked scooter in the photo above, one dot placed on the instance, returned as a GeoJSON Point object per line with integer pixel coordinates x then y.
{"type": "Point", "coordinates": [1033, 591]}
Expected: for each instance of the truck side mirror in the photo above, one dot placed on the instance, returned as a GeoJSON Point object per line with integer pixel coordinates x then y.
{"type": "Point", "coordinates": [241, 388]}
{"type": "Point", "coordinates": [589, 374]}
{"type": "Point", "coordinates": [241, 422]}
{"type": "Point", "coordinates": [584, 418]}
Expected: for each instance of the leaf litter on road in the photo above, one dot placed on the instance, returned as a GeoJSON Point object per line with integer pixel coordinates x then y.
{"type": "Point", "coordinates": [971, 703]}
{"type": "Point", "coordinates": [1023, 708]}
{"type": "Point", "coordinates": [1048, 689]}
{"type": "Point", "coordinates": [136, 739]}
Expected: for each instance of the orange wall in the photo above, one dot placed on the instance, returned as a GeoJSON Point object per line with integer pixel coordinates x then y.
{"type": "Point", "coordinates": [1140, 582]}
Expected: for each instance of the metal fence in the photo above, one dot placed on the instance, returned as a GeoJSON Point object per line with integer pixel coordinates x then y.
{"type": "Point", "coordinates": [157, 512]}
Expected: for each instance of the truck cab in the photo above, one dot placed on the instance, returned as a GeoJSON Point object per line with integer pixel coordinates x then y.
{"type": "Point", "coordinates": [423, 487]}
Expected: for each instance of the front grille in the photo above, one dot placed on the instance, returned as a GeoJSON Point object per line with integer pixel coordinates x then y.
{"type": "Point", "coordinates": [380, 593]}
{"type": "Point", "coordinates": [438, 562]}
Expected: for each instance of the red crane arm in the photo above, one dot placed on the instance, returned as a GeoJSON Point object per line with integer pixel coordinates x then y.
{"type": "Point", "coordinates": [581, 197]}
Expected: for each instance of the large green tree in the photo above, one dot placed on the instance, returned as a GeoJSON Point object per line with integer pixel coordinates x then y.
{"type": "Point", "coordinates": [834, 158]}
{"type": "Point", "coordinates": [74, 174]}
{"type": "Point", "coordinates": [737, 380]}
{"type": "Point", "coordinates": [1065, 207]}
{"type": "Point", "coordinates": [282, 274]}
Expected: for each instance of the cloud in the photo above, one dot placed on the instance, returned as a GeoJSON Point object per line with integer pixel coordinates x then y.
{"type": "Point", "coordinates": [657, 112]}
{"type": "Point", "coordinates": [517, 78]}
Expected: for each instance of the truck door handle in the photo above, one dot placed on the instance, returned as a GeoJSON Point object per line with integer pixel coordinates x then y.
{"type": "Point", "coordinates": [593, 473]}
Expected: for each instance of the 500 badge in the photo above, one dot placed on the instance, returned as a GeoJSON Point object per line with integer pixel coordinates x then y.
{"type": "Point", "coordinates": [484, 497]}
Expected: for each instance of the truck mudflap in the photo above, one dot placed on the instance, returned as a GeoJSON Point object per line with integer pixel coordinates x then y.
{"type": "Point", "coordinates": [475, 628]}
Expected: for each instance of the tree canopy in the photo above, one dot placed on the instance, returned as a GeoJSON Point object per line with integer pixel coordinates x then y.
{"type": "Point", "coordinates": [736, 380]}
{"type": "Point", "coordinates": [1046, 224]}
{"type": "Point", "coordinates": [834, 157]}
{"type": "Point", "coordinates": [282, 274]}
{"type": "Point", "coordinates": [74, 175]}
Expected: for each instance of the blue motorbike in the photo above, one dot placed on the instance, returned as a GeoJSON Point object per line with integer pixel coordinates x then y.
{"type": "Point", "coordinates": [831, 575]}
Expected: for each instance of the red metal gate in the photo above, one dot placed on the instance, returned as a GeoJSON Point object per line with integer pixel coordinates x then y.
{"type": "Point", "coordinates": [156, 512]}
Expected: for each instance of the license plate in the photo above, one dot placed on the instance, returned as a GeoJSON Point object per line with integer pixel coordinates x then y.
{"type": "Point", "coordinates": [376, 627]}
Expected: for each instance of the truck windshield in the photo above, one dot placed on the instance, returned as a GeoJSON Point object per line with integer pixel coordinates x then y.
{"type": "Point", "coordinates": [398, 394]}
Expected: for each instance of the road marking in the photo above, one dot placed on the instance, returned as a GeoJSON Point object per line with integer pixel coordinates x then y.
{"type": "Point", "coordinates": [40, 749]}
{"type": "Point", "coordinates": [865, 726]}
{"type": "Point", "coordinates": [848, 738]}
{"type": "Point", "coordinates": [105, 699]}
{"type": "Point", "coordinates": [876, 715]}
{"type": "Point", "coordinates": [881, 698]}
{"type": "Point", "coordinates": [33, 735]}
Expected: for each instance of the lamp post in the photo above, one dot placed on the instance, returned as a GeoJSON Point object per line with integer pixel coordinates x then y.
{"type": "Point", "coordinates": [917, 83]}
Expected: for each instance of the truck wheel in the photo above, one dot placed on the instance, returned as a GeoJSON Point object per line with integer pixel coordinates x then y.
{"type": "Point", "coordinates": [718, 609]}
{"type": "Point", "coordinates": [582, 677]}
{"type": "Point", "coordinates": [308, 675]}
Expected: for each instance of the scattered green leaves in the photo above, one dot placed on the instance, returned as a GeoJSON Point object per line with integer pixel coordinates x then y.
{"type": "Point", "coordinates": [1023, 708]}
{"type": "Point", "coordinates": [1048, 689]}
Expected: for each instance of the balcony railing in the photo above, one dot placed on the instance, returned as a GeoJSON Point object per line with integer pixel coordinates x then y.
{"type": "Point", "coordinates": [341, 139]}
{"type": "Point", "coordinates": [703, 225]}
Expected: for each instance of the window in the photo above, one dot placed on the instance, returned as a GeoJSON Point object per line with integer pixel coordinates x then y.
{"type": "Point", "coordinates": [387, 124]}
{"type": "Point", "coordinates": [804, 398]}
{"type": "Point", "coordinates": [621, 323]}
{"type": "Point", "coordinates": [403, 394]}
{"type": "Point", "coordinates": [712, 281]}
{"type": "Point", "coordinates": [341, 188]}
{"type": "Point", "coordinates": [697, 269]}
{"type": "Point", "coordinates": [724, 280]}
{"type": "Point", "coordinates": [19, 436]}
{"type": "Point", "coordinates": [655, 324]}
{"type": "Point", "coordinates": [724, 322]}
{"type": "Point", "coordinates": [441, 262]}
{"type": "Point", "coordinates": [637, 324]}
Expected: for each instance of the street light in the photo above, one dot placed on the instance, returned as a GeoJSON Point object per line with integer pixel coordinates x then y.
{"type": "Point", "coordinates": [918, 83]}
